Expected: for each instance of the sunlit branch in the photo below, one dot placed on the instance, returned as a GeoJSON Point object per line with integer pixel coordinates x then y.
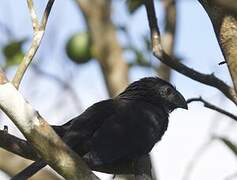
{"type": "Point", "coordinates": [38, 33]}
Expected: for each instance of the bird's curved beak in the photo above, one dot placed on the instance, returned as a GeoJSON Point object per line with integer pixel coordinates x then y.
{"type": "Point", "coordinates": [180, 102]}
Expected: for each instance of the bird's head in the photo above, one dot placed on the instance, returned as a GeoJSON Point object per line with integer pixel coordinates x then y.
{"type": "Point", "coordinates": [156, 91]}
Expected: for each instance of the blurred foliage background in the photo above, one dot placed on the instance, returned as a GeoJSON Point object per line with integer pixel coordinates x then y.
{"type": "Point", "coordinates": [93, 49]}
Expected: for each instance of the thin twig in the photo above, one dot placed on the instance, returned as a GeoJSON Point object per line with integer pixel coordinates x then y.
{"type": "Point", "coordinates": [34, 18]}
{"type": "Point", "coordinates": [38, 30]}
{"type": "Point", "coordinates": [158, 51]}
{"type": "Point", "coordinates": [213, 107]}
{"type": "Point", "coordinates": [46, 14]}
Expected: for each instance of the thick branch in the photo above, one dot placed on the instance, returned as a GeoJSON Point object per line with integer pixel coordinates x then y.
{"type": "Point", "coordinates": [158, 51]}
{"type": "Point", "coordinates": [213, 107]}
{"type": "Point", "coordinates": [229, 5]}
{"type": "Point", "coordinates": [24, 149]}
{"type": "Point", "coordinates": [225, 26]}
{"type": "Point", "coordinates": [41, 135]}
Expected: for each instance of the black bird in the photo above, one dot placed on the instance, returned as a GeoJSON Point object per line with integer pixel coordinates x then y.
{"type": "Point", "coordinates": [125, 127]}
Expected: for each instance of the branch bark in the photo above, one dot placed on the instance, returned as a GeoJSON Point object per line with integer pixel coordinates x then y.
{"type": "Point", "coordinates": [25, 149]}
{"type": "Point", "coordinates": [41, 135]}
{"type": "Point", "coordinates": [229, 5]}
{"type": "Point", "coordinates": [158, 51]}
{"type": "Point", "coordinates": [225, 26]}
{"type": "Point", "coordinates": [38, 30]}
{"type": "Point", "coordinates": [213, 107]}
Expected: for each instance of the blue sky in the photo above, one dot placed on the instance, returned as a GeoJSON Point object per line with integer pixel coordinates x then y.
{"type": "Point", "coordinates": [196, 44]}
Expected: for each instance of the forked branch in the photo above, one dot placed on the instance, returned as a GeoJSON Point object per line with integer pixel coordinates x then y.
{"type": "Point", "coordinates": [38, 33]}
{"type": "Point", "coordinates": [159, 52]}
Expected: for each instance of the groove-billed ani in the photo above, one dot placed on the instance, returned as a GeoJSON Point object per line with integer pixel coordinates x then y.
{"type": "Point", "coordinates": [125, 127]}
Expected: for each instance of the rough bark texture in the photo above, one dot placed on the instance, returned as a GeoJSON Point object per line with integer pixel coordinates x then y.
{"type": "Point", "coordinates": [105, 46]}
{"type": "Point", "coordinates": [225, 26]}
{"type": "Point", "coordinates": [41, 136]}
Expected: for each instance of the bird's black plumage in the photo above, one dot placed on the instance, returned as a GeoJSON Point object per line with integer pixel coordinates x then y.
{"type": "Point", "coordinates": [125, 127]}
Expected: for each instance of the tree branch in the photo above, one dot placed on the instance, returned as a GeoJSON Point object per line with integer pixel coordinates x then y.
{"type": "Point", "coordinates": [158, 51]}
{"type": "Point", "coordinates": [41, 135]}
{"type": "Point", "coordinates": [34, 18]}
{"type": "Point", "coordinates": [213, 107]}
{"type": "Point", "coordinates": [229, 5]}
{"type": "Point", "coordinates": [38, 30]}
{"type": "Point", "coordinates": [225, 26]}
{"type": "Point", "coordinates": [17, 146]}
{"type": "Point", "coordinates": [25, 149]}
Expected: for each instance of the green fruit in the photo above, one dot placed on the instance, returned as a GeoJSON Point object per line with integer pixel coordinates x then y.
{"type": "Point", "coordinates": [78, 47]}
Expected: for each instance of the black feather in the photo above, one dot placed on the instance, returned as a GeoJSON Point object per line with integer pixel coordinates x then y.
{"type": "Point", "coordinates": [120, 129]}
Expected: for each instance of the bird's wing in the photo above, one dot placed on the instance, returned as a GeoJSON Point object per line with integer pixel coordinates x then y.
{"type": "Point", "coordinates": [79, 130]}
{"type": "Point", "coordinates": [127, 134]}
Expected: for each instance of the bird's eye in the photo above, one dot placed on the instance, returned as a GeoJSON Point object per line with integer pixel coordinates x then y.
{"type": "Point", "coordinates": [168, 91]}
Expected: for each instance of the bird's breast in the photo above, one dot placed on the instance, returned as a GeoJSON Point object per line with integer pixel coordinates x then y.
{"type": "Point", "coordinates": [157, 125]}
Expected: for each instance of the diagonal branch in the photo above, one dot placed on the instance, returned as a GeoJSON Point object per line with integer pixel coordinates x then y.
{"type": "Point", "coordinates": [229, 5]}
{"type": "Point", "coordinates": [25, 149]}
{"type": "Point", "coordinates": [17, 146]}
{"type": "Point", "coordinates": [46, 14]}
{"type": "Point", "coordinates": [34, 18]}
{"type": "Point", "coordinates": [225, 27]}
{"type": "Point", "coordinates": [38, 30]}
{"type": "Point", "coordinates": [158, 51]}
{"type": "Point", "coordinates": [42, 137]}
{"type": "Point", "coordinates": [213, 107]}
